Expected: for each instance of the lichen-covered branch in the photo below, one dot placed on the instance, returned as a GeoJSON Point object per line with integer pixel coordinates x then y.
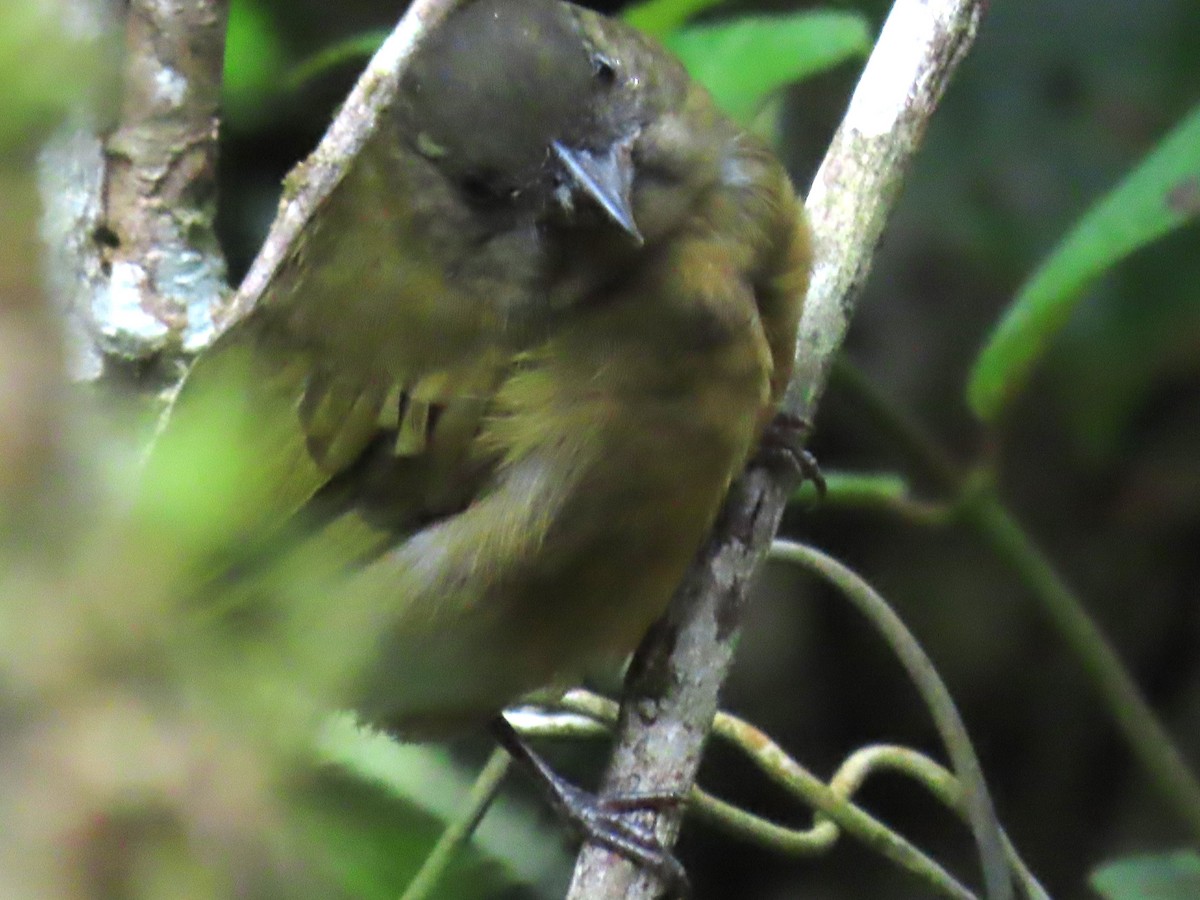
{"type": "Point", "coordinates": [672, 696]}
{"type": "Point", "coordinates": [129, 215]}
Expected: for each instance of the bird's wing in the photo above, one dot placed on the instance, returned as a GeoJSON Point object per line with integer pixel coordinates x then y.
{"type": "Point", "coordinates": [386, 321]}
{"type": "Point", "coordinates": [292, 443]}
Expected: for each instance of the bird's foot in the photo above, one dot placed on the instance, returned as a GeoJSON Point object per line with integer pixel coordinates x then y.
{"type": "Point", "coordinates": [782, 447]}
{"type": "Point", "coordinates": [602, 820]}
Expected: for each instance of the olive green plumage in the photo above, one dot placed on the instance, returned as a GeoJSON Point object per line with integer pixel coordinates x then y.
{"type": "Point", "coordinates": [504, 384]}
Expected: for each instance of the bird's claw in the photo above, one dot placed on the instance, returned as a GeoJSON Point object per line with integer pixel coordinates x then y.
{"type": "Point", "coordinates": [603, 820]}
{"type": "Point", "coordinates": [782, 448]}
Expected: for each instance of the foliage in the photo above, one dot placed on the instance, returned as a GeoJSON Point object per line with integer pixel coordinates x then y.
{"type": "Point", "coordinates": [1161, 195]}
{"type": "Point", "coordinates": [34, 52]}
{"type": "Point", "coordinates": [786, 49]}
{"type": "Point", "coordinates": [1173, 877]}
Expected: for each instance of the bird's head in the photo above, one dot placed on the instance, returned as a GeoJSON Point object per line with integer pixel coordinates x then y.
{"type": "Point", "coordinates": [543, 106]}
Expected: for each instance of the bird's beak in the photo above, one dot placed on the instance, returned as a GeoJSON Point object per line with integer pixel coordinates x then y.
{"type": "Point", "coordinates": [607, 178]}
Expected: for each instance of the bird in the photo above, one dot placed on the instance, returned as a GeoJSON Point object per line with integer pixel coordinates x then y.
{"type": "Point", "coordinates": [488, 409]}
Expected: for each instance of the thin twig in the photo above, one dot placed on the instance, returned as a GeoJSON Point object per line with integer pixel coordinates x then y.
{"type": "Point", "coordinates": [833, 801]}
{"type": "Point", "coordinates": [976, 801]}
{"type": "Point", "coordinates": [483, 793]}
{"type": "Point", "coordinates": [974, 498]}
{"type": "Point", "coordinates": [1145, 734]}
{"type": "Point", "coordinates": [939, 781]}
{"type": "Point", "coordinates": [673, 697]}
{"type": "Point", "coordinates": [881, 491]}
{"type": "Point", "coordinates": [838, 814]}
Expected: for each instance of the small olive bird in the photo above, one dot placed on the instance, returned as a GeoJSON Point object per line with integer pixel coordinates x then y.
{"type": "Point", "coordinates": [507, 376]}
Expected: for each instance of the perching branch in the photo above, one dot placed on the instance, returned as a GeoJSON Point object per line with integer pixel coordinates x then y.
{"type": "Point", "coordinates": [671, 700]}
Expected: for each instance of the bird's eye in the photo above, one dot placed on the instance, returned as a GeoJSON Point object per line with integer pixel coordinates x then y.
{"type": "Point", "coordinates": [604, 70]}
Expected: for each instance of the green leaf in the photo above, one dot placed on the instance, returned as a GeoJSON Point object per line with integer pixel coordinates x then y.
{"type": "Point", "coordinates": [355, 47]}
{"type": "Point", "coordinates": [743, 61]}
{"type": "Point", "coordinates": [1160, 195]}
{"type": "Point", "coordinates": [1105, 365]}
{"type": "Point", "coordinates": [254, 60]}
{"type": "Point", "coordinates": [380, 814]}
{"type": "Point", "coordinates": [369, 844]}
{"type": "Point", "coordinates": [1174, 876]}
{"type": "Point", "coordinates": [660, 17]}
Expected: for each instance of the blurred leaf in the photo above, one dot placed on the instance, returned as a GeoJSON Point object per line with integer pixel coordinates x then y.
{"type": "Point", "coordinates": [659, 17]}
{"type": "Point", "coordinates": [47, 68]}
{"type": "Point", "coordinates": [371, 843]}
{"type": "Point", "coordinates": [1175, 876]}
{"type": "Point", "coordinates": [743, 61]}
{"type": "Point", "coordinates": [1141, 332]}
{"type": "Point", "coordinates": [359, 46]}
{"type": "Point", "coordinates": [254, 60]}
{"type": "Point", "coordinates": [1161, 194]}
{"type": "Point", "coordinates": [391, 802]}
{"type": "Point", "coordinates": [180, 509]}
